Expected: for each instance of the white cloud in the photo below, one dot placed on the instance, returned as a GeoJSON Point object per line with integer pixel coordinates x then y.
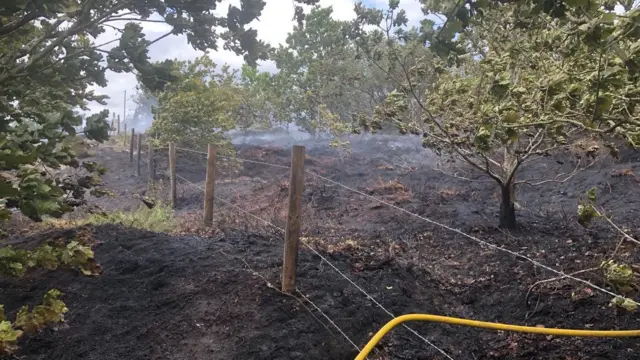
{"type": "Point", "coordinates": [273, 26]}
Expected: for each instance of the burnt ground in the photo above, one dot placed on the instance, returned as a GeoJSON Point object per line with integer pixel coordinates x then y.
{"type": "Point", "coordinates": [204, 293]}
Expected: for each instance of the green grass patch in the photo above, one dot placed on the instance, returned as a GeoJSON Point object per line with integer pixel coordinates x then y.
{"type": "Point", "coordinates": [159, 219]}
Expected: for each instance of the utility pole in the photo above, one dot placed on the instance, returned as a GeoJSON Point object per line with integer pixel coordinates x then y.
{"type": "Point", "coordinates": [124, 113]}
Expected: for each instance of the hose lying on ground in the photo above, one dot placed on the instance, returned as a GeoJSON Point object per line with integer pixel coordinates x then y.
{"type": "Point", "coordinates": [489, 325]}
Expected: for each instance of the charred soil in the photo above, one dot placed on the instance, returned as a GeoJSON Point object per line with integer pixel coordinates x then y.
{"type": "Point", "coordinates": [213, 293]}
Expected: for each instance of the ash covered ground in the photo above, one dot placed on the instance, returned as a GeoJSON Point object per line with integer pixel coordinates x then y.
{"type": "Point", "coordinates": [203, 294]}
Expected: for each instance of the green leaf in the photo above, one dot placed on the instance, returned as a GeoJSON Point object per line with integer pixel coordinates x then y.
{"type": "Point", "coordinates": [510, 117]}
{"type": "Point", "coordinates": [608, 18]}
{"type": "Point", "coordinates": [8, 338]}
{"type": "Point", "coordinates": [624, 303]}
{"type": "Point", "coordinates": [450, 29]}
{"type": "Point", "coordinates": [7, 189]}
{"type": "Point", "coordinates": [576, 3]}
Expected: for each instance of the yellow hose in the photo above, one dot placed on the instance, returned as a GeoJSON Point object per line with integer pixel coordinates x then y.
{"type": "Point", "coordinates": [489, 325]}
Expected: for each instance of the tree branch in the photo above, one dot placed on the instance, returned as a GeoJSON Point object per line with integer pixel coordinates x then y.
{"type": "Point", "coordinates": [82, 24]}
{"type": "Point", "coordinates": [18, 23]}
{"type": "Point", "coordinates": [112, 19]}
{"type": "Point", "coordinates": [160, 38]}
{"type": "Point", "coordinates": [74, 54]}
{"type": "Point", "coordinates": [556, 179]}
{"type": "Point", "coordinates": [626, 236]}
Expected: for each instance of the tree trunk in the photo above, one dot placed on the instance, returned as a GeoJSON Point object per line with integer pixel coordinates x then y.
{"type": "Point", "coordinates": [507, 206]}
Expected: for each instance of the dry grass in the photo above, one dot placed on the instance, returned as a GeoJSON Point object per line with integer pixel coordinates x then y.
{"type": "Point", "coordinates": [626, 172]}
{"type": "Point", "coordinates": [259, 153]}
{"type": "Point", "coordinates": [343, 246]}
{"type": "Point", "coordinates": [386, 186]}
{"type": "Point", "coordinates": [283, 184]}
{"type": "Point", "coordinates": [392, 190]}
{"type": "Point", "coordinates": [82, 148]}
{"type": "Point", "coordinates": [589, 146]}
{"type": "Point", "coordinates": [384, 167]}
{"type": "Point", "coordinates": [322, 161]}
{"type": "Point", "coordinates": [116, 142]}
{"type": "Point", "coordinates": [448, 192]}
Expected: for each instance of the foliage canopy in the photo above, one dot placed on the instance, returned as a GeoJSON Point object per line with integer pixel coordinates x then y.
{"type": "Point", "coordinates": [509, 81]}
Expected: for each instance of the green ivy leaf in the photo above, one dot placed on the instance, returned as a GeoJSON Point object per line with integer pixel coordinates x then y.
{"type": "Point", "coordinates": [592, 194]}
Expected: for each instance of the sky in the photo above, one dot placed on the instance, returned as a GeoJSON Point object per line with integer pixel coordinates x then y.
{"type": "Point", "coordinates": [273, 26]}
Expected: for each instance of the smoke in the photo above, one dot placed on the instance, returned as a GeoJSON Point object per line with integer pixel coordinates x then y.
{"type": "Point", "coordinates": [372, 145]}
{"type": "Point", "coordinates": [142, 117]}
{"type": "Point", "coordinates": [285, 136]}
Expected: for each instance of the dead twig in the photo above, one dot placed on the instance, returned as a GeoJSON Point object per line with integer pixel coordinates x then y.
{"type": "Point", "coordinates": [607, 219]}
{"type": "Point", "coordinates": [455, 174]}
{"type": "Point", "coordinates": [560, 178]}
{"type": "Point", "coordinates": [526, 298]}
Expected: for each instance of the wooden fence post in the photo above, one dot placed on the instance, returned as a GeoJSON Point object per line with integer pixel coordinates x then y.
{"type": "Point", "coordinates": [131, 148]}
{"type": "Point", "coordinates": [125, 134]}
{"type": "Point", "coordinates": [172, 173]}
{"type": "Point", "coordinates": [210, 185]}
{"type": "Point", "coordinates": [150, 172]}
{"type": "Point", "coordinates": [292, 231]}
{"type": "Point", "coordinates": [118, 125]}
{"type": "Point", "coordinates": [139, 152]}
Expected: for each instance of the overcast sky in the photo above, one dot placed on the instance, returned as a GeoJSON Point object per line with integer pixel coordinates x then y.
{"type": "Point", "coordinates": [273, 26]}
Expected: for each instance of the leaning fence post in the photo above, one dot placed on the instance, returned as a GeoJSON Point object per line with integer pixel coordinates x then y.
{"type": "Point", "coordinates": [209, 185]}
{"type": "Point", "coordinates": [150, 162]}
{"type": "Point", "coordinates": [133, 133]}
{"type": "Point", "coordinates": [172, 173]}
{"type": "Point", "coordinates": [139, 152]}
{"type": "Point", "coordinates": [292, 231]}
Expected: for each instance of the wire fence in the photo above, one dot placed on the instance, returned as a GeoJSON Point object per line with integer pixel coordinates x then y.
{"type": "Point", "coordinates": [324, 259]}
{"type": "Point", "coordinates": [444, 226]}
{"type": "Point", "coordinates": [312, 249]}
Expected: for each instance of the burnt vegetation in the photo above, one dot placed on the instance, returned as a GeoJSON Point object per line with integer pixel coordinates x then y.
{"type": "Point", "coordinates": [478, 162]}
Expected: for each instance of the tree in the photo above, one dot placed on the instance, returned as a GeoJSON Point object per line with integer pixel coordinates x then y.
{"type": "Point", "coordinates": [326, 85]}
{"type": "Point", "coordinates": [260, 100]}
{"type": "Point", "coordinates": [200, 106]}
{"type": "Point", "coordinates": [507, 82]}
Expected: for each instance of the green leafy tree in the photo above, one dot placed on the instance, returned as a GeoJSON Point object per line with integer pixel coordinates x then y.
{"type": "Point", "coordinates": [260, 100]}
{"type": "Point", "coordinates": [508, 82]}
{"type": "Point", "coordinates": [200, 106]}
{"type": "Point", "coordinates": [326, 84]}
